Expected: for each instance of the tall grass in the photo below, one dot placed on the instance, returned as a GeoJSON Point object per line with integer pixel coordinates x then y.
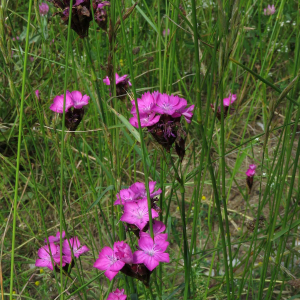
{"type": "Point", "coordinates": [225, 243]}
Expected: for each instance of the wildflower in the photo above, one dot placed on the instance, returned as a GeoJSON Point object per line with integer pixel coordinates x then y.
{"type": "Point", "coordinates": [250, 174]}
{"type": "Point", "coordinates": [58, 103]}
{"type": "Point", "coordinates": [164, 32]}
{"type": "Point", "coordinates": [123, 252]}
{"type": "Point", "coordinates": [136, 213]}
{"type": "Point", "coordinates": [41, 271]}
{"type": "Point", "coordinates": [37, 93]}
{"type": "Point", "coordinates": [151, 252]}
{"type": "Point", "coordinates": [117, 295]}
{"type": "Point", "coordinates": [112, 260]}
{"type": "Point", "coordinates": [158, 228]}
{"type": "Point", "coordinates": [47, 254]}
{"type": "Point", "coordinates": [73, 245]}
{"type": "Point", "coordinates": [37, 283]}
{"type": "Point", "coordinates": [73, 99]}
{"type": "Point", "coordinates": [101, 15]}
{"type": "Point", "coordinates": [44, 8]}
{"type": "Point", "coordinates": [226, 104]}
{"type": "Point", "coordinates": [56, 238]}
{"type": "Point", "coordinates": [137, 191]}
{"type": "Point", "coordinates": [122, 84]}
{"type": "Point", "coordinates": [270, 10]}
{"type": "Point", "coordinates": [161, 114]}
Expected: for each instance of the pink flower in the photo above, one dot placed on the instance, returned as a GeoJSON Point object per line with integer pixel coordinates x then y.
{"type": "Point", "coordinates": [151, 252]}
{"type": "Point", "coordinates": [166, 104]}
{"type": "Point", "coordinates": [158, 228]}
{"type": "Point", "coordinates": [37, 93]}
{"type": "Point", "coordinates": [164, 32]}
{"type": "Point", "coordinates": [146, 120]}
{"type": "Point", "coordinates": [55, 239]}
{"type": "Point", "coordinates": [136, 213]}
{"type": "Point", "coordinates": [251, 171]}
{"type": "Point", "coordinates": [44, 8]}
{"type": "Point", "coordinates": [113, 260]}
{"type": "Point", "coordinates": [45, 253]}
{"type": "Point", "coordinates": [146, 104]}
{"type": "Point", "coordinates": [270, 10]}
{"type": "Point", "coordinates": [186, 112]}
{"type": "Point", "coordinates": [122, 79]}
{"type": "Point", "coordinates": [78, 100]}
{"type": "Point", "coordinates": [228, 101]}
{"type": "Point", "coordinates": [58, 102]}
{"type": "Point", "coordinates": [135, 192]}
{"type": "Point", "coordinates": [123, 252]}
{"type": "Point", "coordinates": [117, 295]}
{"type": "Point", "coordinates": [73, 244]}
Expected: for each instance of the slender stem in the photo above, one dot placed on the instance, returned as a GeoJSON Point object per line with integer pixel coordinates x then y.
{"type": "Point", "coordinates": [18, 157]}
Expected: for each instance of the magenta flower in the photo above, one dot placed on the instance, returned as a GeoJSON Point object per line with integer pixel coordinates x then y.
{"type": "Point", "coordinates": [135, 192]}
{"type": "Point", "coordinates": [113, 260]}
{"type": "Point", "coordinates": [186, 112]}
{"type": "Point", "coordinates": [146, 104]}
{"type": "Point", "coordinates": [158, 228]}
{"type": "Point", "coordinates": [73, 244]}
{"type": "Point", "coordinates": [37, 93]}
{"type": "Point", "coordinates": [55, 239]}
{"type": "Point", "coordinates": [122, 84]}
{"type": "Point", "coordinates": [136, 213]}
{"type": "Point", "coordinates": [123, 252]}
{"type": "Point", "coordinates": [45, 253]}
{"type": "Point", "coordinates": [146, 120]}
{"type": "Point", "coordinates": [251, 171]}
{"type": "Point", "coordinates": [78, 100]}
{"type": "Point", "coordinates": [166, 104]}
{"type": "Point", "coordinates": [228, 101]}
{"type": "Point", "coordinates": [151, 252]}
{"type": "Point", "coordinates": [117, 295]}
{"type": "Point", "coordinates": [270, 10]}
{"type": "Point", "coordinates": [44, 8]}
{"type": "Point", "coordinates": [164, 32]}
{"type": "Point", "coordinates": [58, 102]}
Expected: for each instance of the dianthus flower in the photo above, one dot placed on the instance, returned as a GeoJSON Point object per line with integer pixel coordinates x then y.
{"type": "Point", "coordinates": [135, 192]}
{"type": "Point", "coordinates": [101, 15]}
{"type": "Point", "coordinates": [250, 174]}
{"type": "Point", "coordinates": [161, 114]}
{"type": "Point", "coordinates": [73, 99]}
{"type": "Point", "coordinates": [45, 254]}
{"type": "Point", "coordinates": [226, 104]}
{"type": "Point", "coordinates": [43, 8]}
{"type": "Point", "coordinates": [136, 213]}
{"type": "Point", "coordinates": [164, 32]}
{"type": "Point", "coordinates": [122, 84]}
{"type": "Point", "coordinates": [56, 238]}
{"type": "Point", "coordinates": [270, 10]}
{"type": "Point", "coordinates": [158, 228]}
{"type": "Point", "coordinates": [117, 295]}
{"type": "Point", "coordinates": [151, 252]}
{"type": "Point", "coordinates": [113, 260]}
{"type": "Point", "coordinates": [73, 245]}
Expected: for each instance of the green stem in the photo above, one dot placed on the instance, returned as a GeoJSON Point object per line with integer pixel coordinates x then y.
{"type": "Point", "coordinates": [18, 157]}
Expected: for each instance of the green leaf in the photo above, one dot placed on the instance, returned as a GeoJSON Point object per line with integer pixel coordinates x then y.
{"type": "Point", "coordinates": [109, 188]}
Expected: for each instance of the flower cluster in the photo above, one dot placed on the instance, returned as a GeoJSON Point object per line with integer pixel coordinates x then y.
{"type": "Point", "coordinates": [250, 174]}
{"type": "Point", "coordinates": [82, 14]}
{"type": "Point", "coordinates": [161, 114]}
{"type": "Point", "coordinates": [227, 102]}
{"type": "Point", "coordinates": [122, 84]}
{"type": "Point", "coordinates": [74, 100]}
{"type": "Point", "coordinates": [149, 252]}
{"type": "Point", "coordinates": [49, 255]}
{"type": "Point", "coordinates": [270, 10]}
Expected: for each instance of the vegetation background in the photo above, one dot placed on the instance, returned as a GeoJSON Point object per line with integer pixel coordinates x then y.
{"type": "Point", "coordinates": [224, 242]}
